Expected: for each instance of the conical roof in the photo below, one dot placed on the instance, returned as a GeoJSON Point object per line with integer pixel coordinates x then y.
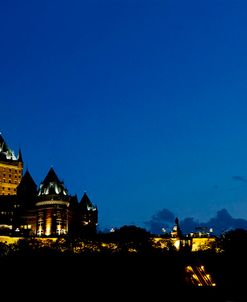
{"type": "Point", "coordinates": [86, 204]}
{"type": "Point", "coordinates": [51, 177]}
{"type": "Point", "coordinates": [27, 181]}
{"type": "Point", "coordinates": [27, 189]}
{"type": "Point", "coordinates": [51, 185]}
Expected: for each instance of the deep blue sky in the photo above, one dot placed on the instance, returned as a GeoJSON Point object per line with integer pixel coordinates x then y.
{"type": "Point", "coordinates": [142, 104]}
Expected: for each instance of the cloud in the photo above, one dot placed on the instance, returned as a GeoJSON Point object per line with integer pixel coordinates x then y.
{"type": "Point", "coordinates": [189, 225]}
{"type": "Point", "coordinates": [164, 215]}
{"type": "Point", "coordinates": [223, 221]}
{"type": "Point", "coordinates": [239, 178]}
{"type": "Point", "coordinates": [162, 219]}
{"type": "Point", "coordinates": [220, 223]}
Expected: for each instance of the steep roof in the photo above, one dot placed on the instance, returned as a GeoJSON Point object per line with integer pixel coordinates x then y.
{"type": "Point", "coordinates": [86, 204]}
{"type": "Point", "coordinates": [27, 190]}
{"type": "Point", "coordinates": [6, 154]}
{"type": "Point", "coordinates": [27, 182]}
{"type": "Point", "coordinates": [20, 156]}
{"type": "Point", "coordinates": [51, 185]}
{"type": "Point", "coordinates": [51, 177]}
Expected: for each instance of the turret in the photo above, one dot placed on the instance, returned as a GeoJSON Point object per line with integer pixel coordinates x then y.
{"type": "Point", "coordinates": [52, 206]}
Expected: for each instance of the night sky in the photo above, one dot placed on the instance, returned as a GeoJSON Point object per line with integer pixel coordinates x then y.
{"type": "Point", "coordinates": [142, 104]}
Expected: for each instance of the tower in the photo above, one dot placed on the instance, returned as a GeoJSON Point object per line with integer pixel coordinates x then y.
{"type": "Point", "coordinates": [11, 168]}
{"type": "Point", "coordinates": [88, 214]}
{"type": "Point", "coordinates": [52, 206]}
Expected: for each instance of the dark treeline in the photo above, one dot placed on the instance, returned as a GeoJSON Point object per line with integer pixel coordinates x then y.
{"type": "Point", "coordinates": [127, 257]}
{"type": "Point", "coordinates": [126, 261]}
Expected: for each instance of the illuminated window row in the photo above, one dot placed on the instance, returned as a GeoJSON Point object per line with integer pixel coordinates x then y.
{"type": "Point", "coordinates": [10, 170]}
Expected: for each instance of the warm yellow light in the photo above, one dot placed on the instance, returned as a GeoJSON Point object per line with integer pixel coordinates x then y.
{"type": "Point", "coordinates": [177, 244]}
{"type": "Point", "coordinates": [189, 268]}
{"type": "Point", "coordinates": [48, 228]}
{"type": "Point", "coordinates": [58, 229]}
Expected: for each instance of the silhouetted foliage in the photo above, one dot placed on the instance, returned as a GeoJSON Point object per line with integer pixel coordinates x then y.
{"type": "Point", "coordinates": [131, 233]}
{"type": "Point", "coordinates": [131, 251]}
{"type": "Point", "coordinates": [234, 242]}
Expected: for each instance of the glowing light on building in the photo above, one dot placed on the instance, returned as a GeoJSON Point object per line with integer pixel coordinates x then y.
{"type": "Point", "coordinates": [177, 244]}
{"type": "Point", "coordinates": [48, 227]}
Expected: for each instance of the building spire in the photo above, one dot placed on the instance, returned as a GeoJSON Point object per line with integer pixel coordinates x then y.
{"type": "Point", "coordinates": [20, 156]}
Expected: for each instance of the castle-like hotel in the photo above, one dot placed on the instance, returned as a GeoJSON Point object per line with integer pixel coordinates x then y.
{"type": "Point", "coordinates": [47, 210]}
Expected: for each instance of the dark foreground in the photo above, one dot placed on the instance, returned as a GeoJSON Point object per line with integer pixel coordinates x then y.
{"type": "Point", "coordinates": [106, 278]}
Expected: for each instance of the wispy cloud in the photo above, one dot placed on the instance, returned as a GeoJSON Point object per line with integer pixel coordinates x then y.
{"type": "Point", "coordinates": [239, 178]}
